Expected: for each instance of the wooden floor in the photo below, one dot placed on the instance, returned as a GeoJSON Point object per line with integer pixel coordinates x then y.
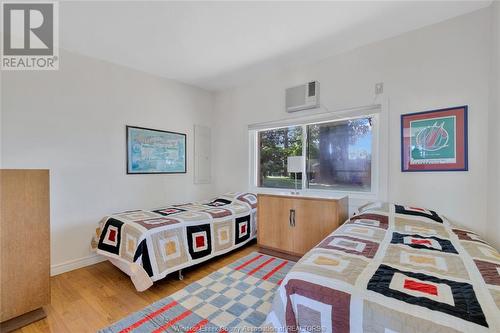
{"type": "Point", "coordinates": [93, 297]}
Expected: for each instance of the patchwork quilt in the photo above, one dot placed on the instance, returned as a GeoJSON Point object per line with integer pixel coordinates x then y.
{"type": "Point", "coordinates": [392, 268]}
{"type": "Point", "coordinates": [149, 244]}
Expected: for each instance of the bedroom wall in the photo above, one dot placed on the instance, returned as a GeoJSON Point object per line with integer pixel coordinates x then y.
{"type": "Point", "coordinates": [443, 65]}
{"type": "Point", "coordinates": [494, 124]}
{"type": "Point", "coordinates": [72, 121]}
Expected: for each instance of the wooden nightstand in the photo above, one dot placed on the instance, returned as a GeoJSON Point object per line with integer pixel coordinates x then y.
{"type": "Point", "coordinates": [291, 225]}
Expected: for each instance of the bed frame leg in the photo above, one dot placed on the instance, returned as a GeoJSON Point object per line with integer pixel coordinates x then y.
{"type": "Point", "coordinates": [181, 277]}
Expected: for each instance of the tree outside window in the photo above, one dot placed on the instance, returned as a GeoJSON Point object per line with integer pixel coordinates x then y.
{"type": "Point", "coordinates": [338, 155]}
{"type": "Point", "coordinates": [274, 147]}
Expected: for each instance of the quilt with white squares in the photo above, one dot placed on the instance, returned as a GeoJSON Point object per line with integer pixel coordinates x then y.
{"type": "Point", "coordinates": [392, 268]}
{"type": "Point", "coordinates": [160, 241]}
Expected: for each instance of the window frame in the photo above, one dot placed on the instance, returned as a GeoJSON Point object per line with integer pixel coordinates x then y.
{"type": "Point", "coordinates": [376, 179]}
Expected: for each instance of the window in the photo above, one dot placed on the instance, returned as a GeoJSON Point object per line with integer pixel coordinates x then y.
{"type": "Point", "coordinates": [274, 147]}
{"type": "Point", "coordinates": [338, 155]}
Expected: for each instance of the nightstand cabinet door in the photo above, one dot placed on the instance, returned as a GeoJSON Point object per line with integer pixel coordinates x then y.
{"type": "Point", "coordinates": [314, 220]}
{"type": "Point", "coordinates": [275, 233]}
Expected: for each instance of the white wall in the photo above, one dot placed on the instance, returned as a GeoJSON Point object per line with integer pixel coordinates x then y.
{"type": "Point", "coordinates": [72, 121]}
{"type": "Point", "coordinates": [494, 125]}
{"type": "Point", "coordinates": [439, 66]}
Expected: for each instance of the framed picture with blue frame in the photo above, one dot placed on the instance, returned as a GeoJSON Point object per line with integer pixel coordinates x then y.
{"type": "Point", "coordinates": [152, 151]}
{"type": "Point", "coordinates": [434, 140]}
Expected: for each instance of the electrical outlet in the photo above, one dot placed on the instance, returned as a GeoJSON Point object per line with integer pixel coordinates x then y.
{"type": "Point", "coordinates": [379, 88]}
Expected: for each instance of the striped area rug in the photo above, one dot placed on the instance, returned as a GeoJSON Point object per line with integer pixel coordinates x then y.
{"type": "Point", "coordinates": [235, 298]}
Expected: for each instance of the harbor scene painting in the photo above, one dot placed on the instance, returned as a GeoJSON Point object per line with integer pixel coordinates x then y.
{"type": "Point", "coordinates": [152, 151]}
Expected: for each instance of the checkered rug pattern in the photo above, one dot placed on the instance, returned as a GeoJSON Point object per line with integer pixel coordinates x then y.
{"type": "Point", "coordinates": [235, 298]}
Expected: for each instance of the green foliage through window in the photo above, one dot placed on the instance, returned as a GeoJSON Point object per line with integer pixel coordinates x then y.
{"type": "Point", "coordinates": [274, 147]}
{"type": "Point", "coordinates": [338, 155]}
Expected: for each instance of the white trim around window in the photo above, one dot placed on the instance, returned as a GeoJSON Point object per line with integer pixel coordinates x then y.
{"type": "Point", "coordinates": [380, 149]}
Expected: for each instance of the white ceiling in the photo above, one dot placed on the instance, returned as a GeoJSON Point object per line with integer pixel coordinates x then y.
{"type": "Point", "coordinates": [216, 45]}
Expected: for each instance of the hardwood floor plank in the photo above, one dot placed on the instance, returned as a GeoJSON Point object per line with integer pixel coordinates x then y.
{"type": "Point", "coordinates": [93, 297]}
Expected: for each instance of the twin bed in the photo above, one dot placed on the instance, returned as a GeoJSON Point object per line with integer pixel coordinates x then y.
{"type": "Point", "coordinates": [388, 269]}
{"type": "Point", "coordinates": [392, 269]}
{"type": "Point", "coordinates": [150, 244]}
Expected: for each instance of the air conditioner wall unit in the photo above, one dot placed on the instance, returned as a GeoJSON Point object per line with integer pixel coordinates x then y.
{"type": "Point", "coordinates": [303, 97]}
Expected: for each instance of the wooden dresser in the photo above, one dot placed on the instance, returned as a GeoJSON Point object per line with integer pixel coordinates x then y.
{"type": "Point", "coordinates": [291, 225]}
{"type": "Point", "coordinates": [24, 247]}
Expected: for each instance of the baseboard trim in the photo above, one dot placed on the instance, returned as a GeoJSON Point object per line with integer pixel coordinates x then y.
{"type": "Point", "coordinates": [75, 264]}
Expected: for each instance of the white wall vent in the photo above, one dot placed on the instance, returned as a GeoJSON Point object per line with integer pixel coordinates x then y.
{"type": "Point", "coordinates": [303, 97]}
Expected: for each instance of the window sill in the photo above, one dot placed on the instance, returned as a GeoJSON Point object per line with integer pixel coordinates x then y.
{"type": "Point", "coordinates": [318, 193]}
